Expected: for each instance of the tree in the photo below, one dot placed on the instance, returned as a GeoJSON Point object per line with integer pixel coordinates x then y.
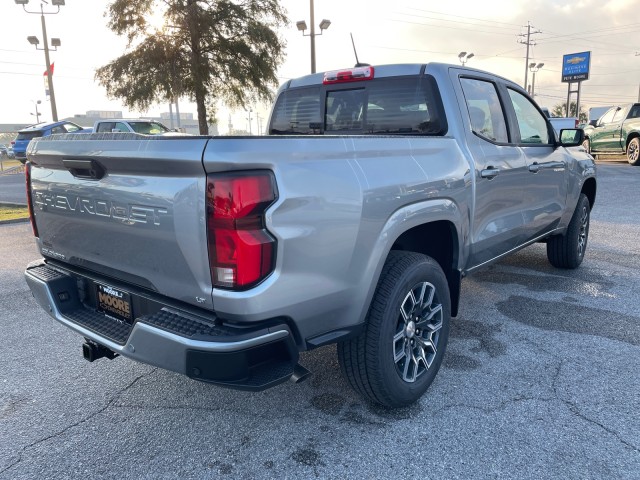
{"type": "Point", "coordinates": [208, 50]}
{"type": "Point", "coordinates": [560, 110]}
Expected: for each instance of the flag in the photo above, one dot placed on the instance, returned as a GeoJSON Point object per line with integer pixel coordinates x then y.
{"type": "Point", "coordinates": [50, 69]}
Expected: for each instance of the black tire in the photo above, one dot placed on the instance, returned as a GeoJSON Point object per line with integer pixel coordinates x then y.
{"type": "Point", "coordinates": [633, 151]}
{"type": "Point", "coordinates": [567, 251]}
{"type": "Point", "coordinates": [373, 362]}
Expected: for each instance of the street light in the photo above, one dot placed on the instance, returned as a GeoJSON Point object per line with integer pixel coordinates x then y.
{"type": "Point", "coordinates": [37, 114]}
{"type": "Point", "coordinates": [55, 42]}
{"type": "Point", "coordinates": [534, 68]}
{"type": "Point", "coordinates": [464, 58]}
{"type": "Point", "coordinates": [302, 26]}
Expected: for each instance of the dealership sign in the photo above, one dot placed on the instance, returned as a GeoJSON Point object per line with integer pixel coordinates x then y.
{"type": "Point", "coordinates": [575, 67]}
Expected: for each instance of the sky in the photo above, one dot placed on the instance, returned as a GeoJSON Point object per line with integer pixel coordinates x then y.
{"type": "Point", "coordinates": [400, 31]}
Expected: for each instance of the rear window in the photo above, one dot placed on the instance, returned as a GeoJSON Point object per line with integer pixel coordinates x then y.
{"type": "Point", "coordinates": [29, 135]}
{"type": "Point", "coordinates": [398, 106]}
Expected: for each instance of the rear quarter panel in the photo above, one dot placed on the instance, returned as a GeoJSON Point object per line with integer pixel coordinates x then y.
{"type": "Point", "coordinates": [342, 203]}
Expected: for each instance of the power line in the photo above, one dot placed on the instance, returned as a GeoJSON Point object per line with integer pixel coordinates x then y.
{"type": "Point", "coordinates": [456, 21]}
{"type": "Point", "coordinates": [443, 26]}
{"type": "Point", "coordinates": [462, 16]}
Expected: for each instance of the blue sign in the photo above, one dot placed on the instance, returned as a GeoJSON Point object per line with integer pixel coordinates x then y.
{"type": "Point", "coordinates": [575, 67]}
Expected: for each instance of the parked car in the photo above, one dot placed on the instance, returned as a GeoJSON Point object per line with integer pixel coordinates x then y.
{"type": "Point", "coordinates": [40, 130]}
{"type": "Point", "coordinates": [146, 127]}
{"type": "Point", "coordinates": [4, 151]}
{"type": "Point", "coordinates": [617, 132]}
{"type": "Point", "coordinates": [560, 123]}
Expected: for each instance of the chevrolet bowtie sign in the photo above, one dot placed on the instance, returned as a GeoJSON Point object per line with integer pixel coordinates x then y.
{"type": "Point", "coordinates": [575, 67]}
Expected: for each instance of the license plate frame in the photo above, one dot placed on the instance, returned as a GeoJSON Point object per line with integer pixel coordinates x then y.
{"type": "Point", "coordinates": [114, 303]}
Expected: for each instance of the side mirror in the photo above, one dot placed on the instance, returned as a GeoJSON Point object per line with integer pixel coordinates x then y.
{"type": "Point", "coordinates": [571, 137]}
{"type": "Point", "coordinates": [593, 123]}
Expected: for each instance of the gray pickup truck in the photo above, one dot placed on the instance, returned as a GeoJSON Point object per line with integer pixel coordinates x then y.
{"type": "Point", "coordinates": [352, 222]}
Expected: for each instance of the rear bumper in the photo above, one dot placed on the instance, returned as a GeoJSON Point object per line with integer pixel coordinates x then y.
{"type": "Point", "coordinates": [243, 358]}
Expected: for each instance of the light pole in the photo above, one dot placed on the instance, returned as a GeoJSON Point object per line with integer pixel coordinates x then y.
{"type": "Point", "coordinates": [302, 26]}
{"type": "Point", "coordinates": [37, 114]}
{"type": "Point", "coordinates": [464, 58]}
{"type": "Point", "coordinates": [534, 68]}
{"type": "Point", "coordinates": [55, 42]}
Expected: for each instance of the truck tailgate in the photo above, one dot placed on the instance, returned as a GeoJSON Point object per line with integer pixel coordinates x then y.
{"type": "Point", "coordinates": [125, 206]}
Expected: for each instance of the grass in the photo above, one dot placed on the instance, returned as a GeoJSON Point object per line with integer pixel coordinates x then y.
{"type": "Point", "coordinates": [9, 163]}
{"type": "Point", "coordinates": [13, 213]}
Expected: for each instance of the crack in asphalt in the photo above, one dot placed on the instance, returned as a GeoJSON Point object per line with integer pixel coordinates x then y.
{"type": "Point", "coordinates": [573, 408]}
{"type": "Point", "coordinates": [84, 420]}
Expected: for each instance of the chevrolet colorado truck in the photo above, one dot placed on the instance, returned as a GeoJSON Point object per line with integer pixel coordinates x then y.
{"type": "Point", "coordinates": [617, 132]}
{"type": "Point", "coordinates": [352, 223]}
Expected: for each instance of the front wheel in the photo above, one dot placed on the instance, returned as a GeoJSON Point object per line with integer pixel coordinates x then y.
{"type": "Point", "coordinates": [567, 251]}
{"type": "Point", "coordinates": [398, 355]}
{"type": "Point", "coordinates": [633, 151]}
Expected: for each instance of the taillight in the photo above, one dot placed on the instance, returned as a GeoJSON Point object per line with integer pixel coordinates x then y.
{"type": "Point", "coordinates": [27, 176]}
{"type": "Point", "coordinates": [348, 75]}
{"type": "Point", "coordinates": [577, 122]}
{"type": "Point", "coordinates": [241, 250]}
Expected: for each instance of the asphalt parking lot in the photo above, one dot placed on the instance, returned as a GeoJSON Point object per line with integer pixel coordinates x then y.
{"type": "Point", "coordinates": [541, 380]}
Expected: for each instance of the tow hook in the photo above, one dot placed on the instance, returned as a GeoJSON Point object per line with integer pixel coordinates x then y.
{"type": "Point", "coordinates": [91, 351]}
{"type": "Point", "coordinates": [300, 374]}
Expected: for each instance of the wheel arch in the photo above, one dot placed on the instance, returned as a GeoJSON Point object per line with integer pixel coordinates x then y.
{"type": "Point", "coordinates": [438, 240]}
{"type": "Point", "coordinates": [589, 189]}
{"type": "Point", "coordinates": [630, 137]}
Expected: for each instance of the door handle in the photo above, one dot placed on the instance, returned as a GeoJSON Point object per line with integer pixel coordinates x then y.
{"type": "Point", "coordinates": [489, 172]}
{"type": "Point", "coordinates": [534, 168]}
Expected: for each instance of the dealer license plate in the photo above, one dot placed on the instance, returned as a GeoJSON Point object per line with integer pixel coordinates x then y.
{"type": "Point", "coordinates": [115, 303]}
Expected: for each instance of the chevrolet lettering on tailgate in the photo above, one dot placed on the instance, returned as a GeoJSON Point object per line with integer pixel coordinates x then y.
{"type": "Point", "coordinates": [100, 208]}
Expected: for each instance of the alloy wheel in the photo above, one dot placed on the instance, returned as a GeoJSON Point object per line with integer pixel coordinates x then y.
{"type": "Point", "coordinates": [415, 343]}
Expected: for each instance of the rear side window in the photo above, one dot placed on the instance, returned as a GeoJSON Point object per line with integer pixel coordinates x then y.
{"type": "Point", "coordinates": [485, 110]}
{"type": "Point", "coordinates": [28, 135]}
{"type": "Point", "coordinates": [395, 106]}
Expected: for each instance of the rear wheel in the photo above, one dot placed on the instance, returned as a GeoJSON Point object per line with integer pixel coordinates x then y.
{"type": "Point", "coordinates": [397, 357]}
{"type": "Point", "coordinates": [567, 251]}
{"type": "Point", "coordinates": [633, 151]}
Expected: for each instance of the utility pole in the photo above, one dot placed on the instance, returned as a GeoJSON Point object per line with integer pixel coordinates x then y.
{"type": "Point", "coordinates": [259, 120]}
{"type": "Point", "coordinates": [249, 118]}
{"type": "Point", "coordinates": [528, 43]}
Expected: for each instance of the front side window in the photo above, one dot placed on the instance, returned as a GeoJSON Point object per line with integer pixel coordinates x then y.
{"type": "Point", "coordinates": [485, 111]}
{"type": "Point", "coordinates": [607, 117]}
{"type": "Point", "coordinates": [58, 129]}
{"type": "Point", "coordinates": [620, 115]}
{"type": "Point", "coordinates": [71, 127]}
{"type": "Point", "coordinates": [531, 123]}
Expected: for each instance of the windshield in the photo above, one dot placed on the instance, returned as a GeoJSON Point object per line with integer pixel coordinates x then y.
{"type": "Point", "coordinates": [149, 128]}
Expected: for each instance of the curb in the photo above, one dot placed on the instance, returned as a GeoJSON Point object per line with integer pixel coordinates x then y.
{"type": "Point", "coordinates": [14, 220]}
{"type": "Point", "coordinates": [13, 204]}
